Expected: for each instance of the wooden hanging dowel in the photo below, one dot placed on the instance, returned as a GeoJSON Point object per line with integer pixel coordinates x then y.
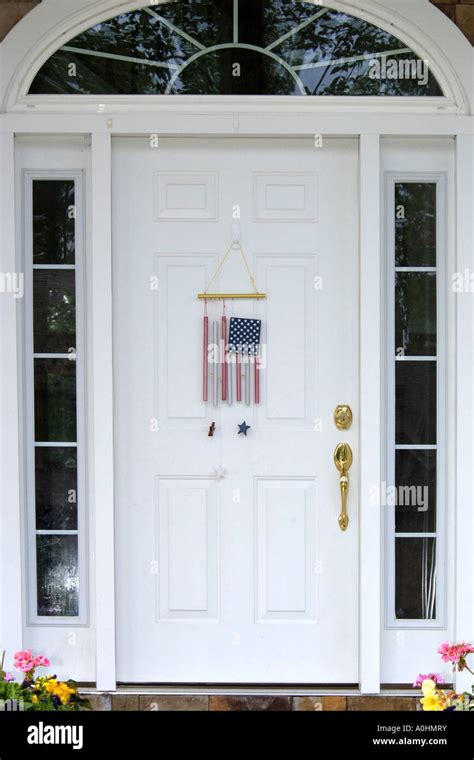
{"type": "Point", "coordinates": [225, 296]}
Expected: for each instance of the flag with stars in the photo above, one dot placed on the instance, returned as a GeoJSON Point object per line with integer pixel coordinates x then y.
{"type": "Point", "coordinates": [244, 335]}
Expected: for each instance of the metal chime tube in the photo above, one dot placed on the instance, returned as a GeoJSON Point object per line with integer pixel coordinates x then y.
{"type": "Point", "coordinates": [256, 379]}
{"type": "Point", "coordinates": [215, 378]}
{"type": "Point", "coordinates": [238, 377]}
{"type": "Point", "coordinates": [229, 379]}
{"type": "Point", "coordinates": [205, 359]}
{"type": "Point", "coordinates": [224, 364]}
{"type": "Point", "coordinates": [248, 375]}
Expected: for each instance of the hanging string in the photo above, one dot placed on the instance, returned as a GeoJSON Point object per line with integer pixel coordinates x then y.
{"type": "Point", "coordinates": [219, 267]}
{"type": "Point", "coordinates": [221, 264]}
{"type": "Point", "coordinates": [250, 275]}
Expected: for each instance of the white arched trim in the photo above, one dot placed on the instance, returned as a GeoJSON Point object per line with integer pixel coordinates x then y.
{"type": "Point", "coordinates": [50, 26]}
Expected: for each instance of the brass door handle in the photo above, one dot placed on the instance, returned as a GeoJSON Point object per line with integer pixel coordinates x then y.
{"type": "Point", "coordinates": [343, 461]}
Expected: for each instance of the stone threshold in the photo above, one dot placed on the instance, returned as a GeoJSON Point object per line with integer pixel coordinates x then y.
{"type": "Point", "coordinates": [246, 700]}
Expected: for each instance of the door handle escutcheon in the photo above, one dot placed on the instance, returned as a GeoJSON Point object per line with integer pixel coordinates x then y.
{"type": "Point", "coordinates": [343, 462]}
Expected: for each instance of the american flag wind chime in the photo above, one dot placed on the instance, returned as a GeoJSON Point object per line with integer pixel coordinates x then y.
{"type": "Point", "coordinates": [231, 348]}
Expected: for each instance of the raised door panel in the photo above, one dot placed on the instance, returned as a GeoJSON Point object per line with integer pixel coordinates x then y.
{"type": "Point", "coordinates": [187, 550]}
{"type": "Point", "coordinates": [287, 536]}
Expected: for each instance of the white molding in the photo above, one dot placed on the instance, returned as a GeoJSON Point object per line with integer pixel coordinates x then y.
{"type": "Point", "coordinates": [102, 475]}
{"type": "Point", "coordinates": [371, 332]}
{"type": "Point", "coordinates": [156, 104]}
{"type": "Point", "coordinates": [258, 121]}
{"type": "Point", "coordinates": [11, 544]}
{"type": "Point", "coordinates": [52, 24]}
{"type": "Point", "coordinates": [464, 608]}
{"type": "Point", "coordinates": [223, 104]}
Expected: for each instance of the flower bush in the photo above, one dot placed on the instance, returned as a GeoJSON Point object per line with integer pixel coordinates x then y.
{"type": "Point", "coordinates": [435, 699]}
{"type": "Point", "coordinates": [37, 692]}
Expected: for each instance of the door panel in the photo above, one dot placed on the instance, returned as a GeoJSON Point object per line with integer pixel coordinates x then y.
{"type": "Point", "coordinates": [237, 574]}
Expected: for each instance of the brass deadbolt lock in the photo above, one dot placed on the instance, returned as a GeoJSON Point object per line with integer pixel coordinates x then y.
{"type": "Point", "coordinates": [343, 417]}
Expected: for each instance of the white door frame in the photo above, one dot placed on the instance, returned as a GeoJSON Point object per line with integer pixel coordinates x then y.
{"type": "Point", "coordinates": [24, 50]}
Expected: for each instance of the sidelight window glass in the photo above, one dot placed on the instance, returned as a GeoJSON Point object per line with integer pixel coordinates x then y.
{"type": "Point", "coordinates": [416, 443]}
{"type": "Point", "coordinates": [55, 389]}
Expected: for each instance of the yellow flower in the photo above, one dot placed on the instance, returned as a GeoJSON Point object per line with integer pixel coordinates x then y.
{"type": "Point", "coordinates": [63, 691]}
{"type": "Point", "coordinates": [432, 703]}
{"type": "Point", "coordinates": [59, 689]}
{"type": "Point", "coordinates": [34, 698]}
{"type": "Point", "coordinates": [50, 685]}
{"type": "Point", "coordinates": [428, 687]}
{"type": "Point", "coordinates": [432, 699]}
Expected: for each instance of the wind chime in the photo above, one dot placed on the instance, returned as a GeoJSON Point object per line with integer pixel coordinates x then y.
{"type": "Point", "coordinates": [233, 345]}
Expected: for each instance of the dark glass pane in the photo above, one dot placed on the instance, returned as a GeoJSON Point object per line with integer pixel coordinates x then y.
{"type": "Point", "coordinates": [415, 402]}
{"type": "Point", "coordinates": [415, 478]}
{"type": "Point", "coordinates": [56, 488]}
{"type": "Point", "coordinates": [415, 578]}
{"type": "Point", "coordinates": [215, 76]}
{"type": "Point", "coordinates": [55, 400]}
{"type": "Point", "coordinates": [209, 23]}
{"type": "Point", "coordinates": [54, 310]}
{"type": "Point", "coordinates": [58, 577]}
{"type": "Point", "coordinates": [415, 314]}
{"type": "Point", "coordinates": [415, 224]}
{"type": "Point", "coordinates": [150, 45]}
{"type": "Point", "coordinates": [53, 222]}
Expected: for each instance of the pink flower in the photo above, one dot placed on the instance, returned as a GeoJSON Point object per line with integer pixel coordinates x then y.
{"type": "Point", "coordinates": [436, 677]}
{"type": "Point", "coordinates": [455, 653]}
{"type": "Point", "coordinates": [25, 661]}
{"type": "Point", "coordinates": [9, 677]}
{"type": "Point", "coordinates": [23, 654]}
{"type": "Point", "coordinates": [41, 661]}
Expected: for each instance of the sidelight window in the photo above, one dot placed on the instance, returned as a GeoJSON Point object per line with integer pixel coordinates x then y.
{"type": "Point", "coordinates": [414, 496]}
{"type": "Point", "coordinates": [54, 404]}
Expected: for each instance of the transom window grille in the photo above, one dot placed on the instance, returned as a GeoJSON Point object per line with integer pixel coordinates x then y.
{"type": "Point", "coordinates": [236, 47]}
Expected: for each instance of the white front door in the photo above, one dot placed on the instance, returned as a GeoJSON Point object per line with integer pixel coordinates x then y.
{"type": "Point", "coordinates": [231, 565]}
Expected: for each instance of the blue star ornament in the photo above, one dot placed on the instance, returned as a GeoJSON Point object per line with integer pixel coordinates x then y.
{"type": "Point", "coordinates": [243, 428]}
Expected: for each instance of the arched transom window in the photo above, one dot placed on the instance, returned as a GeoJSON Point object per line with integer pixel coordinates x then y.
{"type": "Point", "coordinates": [235, 47]}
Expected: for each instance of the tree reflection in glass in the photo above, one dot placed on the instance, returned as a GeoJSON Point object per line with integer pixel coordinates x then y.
{"type": "Point", "coordinates": [53, 222]}
{"type": "Point", "coordinates": [57, 575]}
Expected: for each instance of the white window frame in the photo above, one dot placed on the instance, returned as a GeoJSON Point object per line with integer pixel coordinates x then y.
{"type": "Point", "coordinates": [440, 535]}
{"type": "Point", "coordinates": [28, 177]}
